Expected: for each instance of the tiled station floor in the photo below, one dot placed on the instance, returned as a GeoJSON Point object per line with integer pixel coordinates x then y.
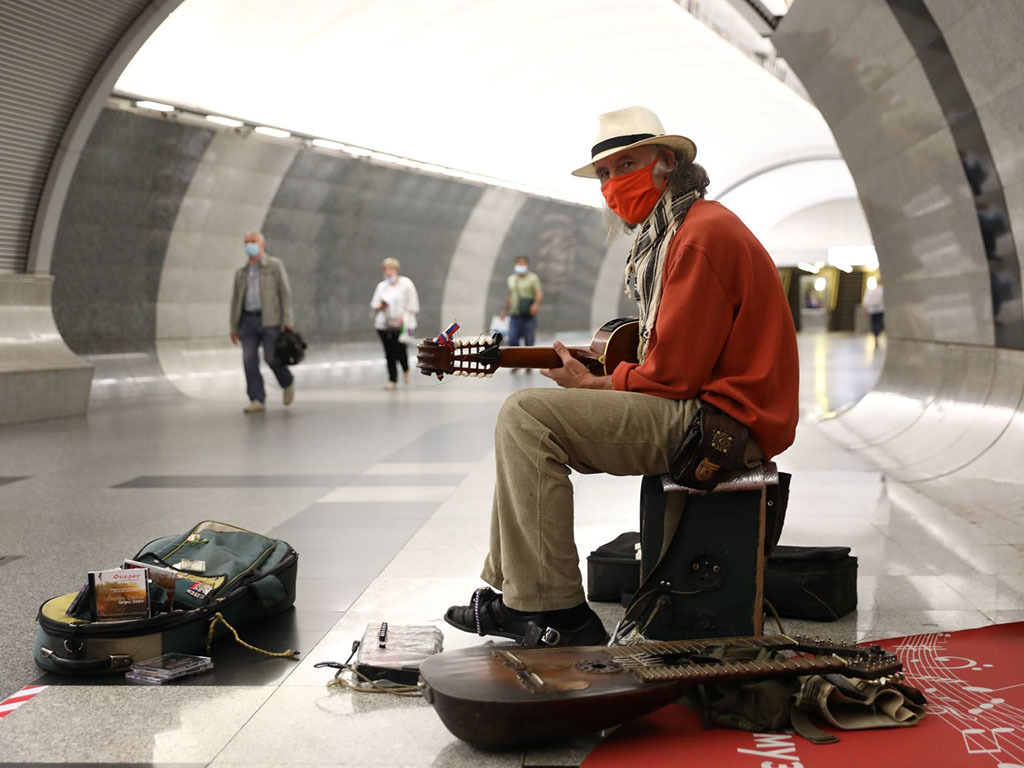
{"type": "Point", "coordinates": [386, 496]}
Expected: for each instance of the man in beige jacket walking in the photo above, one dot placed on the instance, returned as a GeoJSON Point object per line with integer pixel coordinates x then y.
{"type": "Point", "coordinates": [261, 307]}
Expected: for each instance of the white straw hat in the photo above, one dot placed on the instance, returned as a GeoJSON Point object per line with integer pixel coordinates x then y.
{"type": "Point", "coordinates": [627, 128]}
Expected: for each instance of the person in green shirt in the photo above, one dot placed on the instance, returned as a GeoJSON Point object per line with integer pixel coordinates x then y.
{"type": "Point", "coordinates": [522, 304]}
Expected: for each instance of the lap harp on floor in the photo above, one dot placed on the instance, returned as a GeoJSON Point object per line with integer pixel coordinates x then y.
{"type": "Point", "coordinates": [500, 697]}
{"type": "Point", "coordinates": [614, 342]}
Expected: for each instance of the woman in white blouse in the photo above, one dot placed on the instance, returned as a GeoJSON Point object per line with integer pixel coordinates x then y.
{"type": "Point", "coordinates": [395, 304]}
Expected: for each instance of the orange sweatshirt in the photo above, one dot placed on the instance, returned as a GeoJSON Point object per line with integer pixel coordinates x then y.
{"type": "Point", "coordinates": [724, 331]}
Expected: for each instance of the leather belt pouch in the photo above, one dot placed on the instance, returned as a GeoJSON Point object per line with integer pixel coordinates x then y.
{"type": "Point", "coordinates": [713, 447]}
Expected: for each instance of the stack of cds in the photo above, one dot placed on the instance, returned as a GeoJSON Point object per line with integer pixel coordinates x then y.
{"type": "Point", "coordinates": [168, 667]}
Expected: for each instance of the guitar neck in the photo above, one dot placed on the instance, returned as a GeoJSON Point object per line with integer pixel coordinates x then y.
{"type": "Point", "coordinates": [700, 673]}
{"type": "Point", "coordinates": [776, 642]}
{"type": "Point", "coordinates": [540, 357]}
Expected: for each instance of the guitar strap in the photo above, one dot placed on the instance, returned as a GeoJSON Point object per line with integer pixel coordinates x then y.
{"type": "Point", "coordinates": [675, 506]}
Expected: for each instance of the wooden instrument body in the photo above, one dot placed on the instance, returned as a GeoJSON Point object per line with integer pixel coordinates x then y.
{"type": "Point", "coordinates": [482, 701]}
{"type": "Point", "coordinates": [614, 342]}
{"type": "Point", "coordinates": [505, 696]}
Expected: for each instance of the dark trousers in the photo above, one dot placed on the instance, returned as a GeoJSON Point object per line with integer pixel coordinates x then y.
{"type": "Point", "coordinates": [253, 334]}
{"type": "Point", "coordinates": [394, 352]}
{"type": "Point", "coordinates": [877, 323]}
{"type": "Point", "coordinates": [521, 328]}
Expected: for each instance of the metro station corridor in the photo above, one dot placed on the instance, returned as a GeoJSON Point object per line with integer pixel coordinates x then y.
{"type": "Point", "coordinates": [143, 146]}
{"type": "Point", "coordinates": [386, 497]}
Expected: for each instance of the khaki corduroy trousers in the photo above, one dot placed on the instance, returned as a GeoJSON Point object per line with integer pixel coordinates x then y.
{"type": "Point", "coordinates": [541, 435]}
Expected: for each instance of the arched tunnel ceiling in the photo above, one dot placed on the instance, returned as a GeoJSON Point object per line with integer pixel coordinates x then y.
{"type": "Point", "coordinates": [507, 89]}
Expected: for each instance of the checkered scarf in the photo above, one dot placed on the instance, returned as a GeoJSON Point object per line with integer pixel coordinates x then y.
{"type": "Point", "coordinates": [647, 259]}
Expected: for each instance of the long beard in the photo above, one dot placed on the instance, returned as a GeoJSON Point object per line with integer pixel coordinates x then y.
{"type": "Point", "coordinates": [614, 226]}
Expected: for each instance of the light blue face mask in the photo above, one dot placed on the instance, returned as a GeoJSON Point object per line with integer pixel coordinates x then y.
{"type": "Point", "coordinates": [252, 250]}
{"type": "Point", "coordinates": [521, 269]}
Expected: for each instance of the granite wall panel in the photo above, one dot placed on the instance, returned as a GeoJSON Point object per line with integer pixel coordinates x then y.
{"type": "Point", "coordinates": [113, 234]}
{"type": "Point", "coordinates": [229, 195]}
{"type": "Point", "coordinates": [152, 234]}
{"type": "Point", "coordinates": [566, 247]}
{"type": "Point", "coordinates": [334, 219]}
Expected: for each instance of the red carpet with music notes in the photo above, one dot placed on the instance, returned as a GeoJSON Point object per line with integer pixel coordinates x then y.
{"type": "Point", "coordinates": [974, 681]}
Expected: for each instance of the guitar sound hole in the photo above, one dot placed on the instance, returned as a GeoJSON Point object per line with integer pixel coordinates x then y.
{"type": "Point", "coordinates": [597, 667]}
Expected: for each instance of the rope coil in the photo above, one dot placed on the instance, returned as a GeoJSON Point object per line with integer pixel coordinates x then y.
{"type": "Point", "coordinates": [218, 618]}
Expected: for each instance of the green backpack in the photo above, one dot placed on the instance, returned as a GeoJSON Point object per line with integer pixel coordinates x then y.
{"type": "Point", "coordinates": [245, 577]}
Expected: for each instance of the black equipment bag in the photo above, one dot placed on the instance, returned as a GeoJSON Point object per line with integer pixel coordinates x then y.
{"type": "Point", "coordinates": [702, 573]}
{"type": "Point", "coordinates": [816, 583]}
{"type": "Point", "coordinates": [613, 570]}
{"type": "Point", "coordinates": [290, 347]}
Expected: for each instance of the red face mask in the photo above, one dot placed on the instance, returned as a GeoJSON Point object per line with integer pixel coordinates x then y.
{"type": "Point", "coordinates": [632, 196]}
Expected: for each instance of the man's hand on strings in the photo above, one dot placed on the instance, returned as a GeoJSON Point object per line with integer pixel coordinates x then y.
{"type": "Point", "coordinates": [573, 374]}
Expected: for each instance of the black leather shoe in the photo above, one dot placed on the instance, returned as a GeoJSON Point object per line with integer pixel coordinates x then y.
{"type": "Point", "coordinates": [590, 632]}
{"type": "Point", "coordinates": [487, 615]}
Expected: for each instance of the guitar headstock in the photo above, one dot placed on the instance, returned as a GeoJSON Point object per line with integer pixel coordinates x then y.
{"type": "Point", "coordinates": [474, 356]}
{"type": "Point", "coordinates": [868, 662]}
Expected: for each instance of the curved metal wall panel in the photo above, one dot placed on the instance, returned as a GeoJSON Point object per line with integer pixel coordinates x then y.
{"type": "Point", "coordinates": [865, 75]}
{"type": "Point", "coordinates": [926, 98]}
{"type": "Point", "coordinates": [984, 40]}
{"type": "Point", "coordinates": [49, 53]}
{"type": "Point", "coordinates": [946, 405]}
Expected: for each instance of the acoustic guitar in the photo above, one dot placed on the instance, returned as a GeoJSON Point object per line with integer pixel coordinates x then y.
{"type": "Point", "coordinates": [614, 342]}
{"type": "Point", "coordinates": [504, 697]}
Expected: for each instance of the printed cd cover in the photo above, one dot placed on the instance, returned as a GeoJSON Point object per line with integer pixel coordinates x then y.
{"type": "Point", "coordinates": [120, 594]}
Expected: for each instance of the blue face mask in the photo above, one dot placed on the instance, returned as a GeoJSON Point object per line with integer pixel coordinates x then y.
{"type": "Point", "coordinates": [392, 279]}
{"type": "Point", "coordinates": [252, 250]}
{"type": "Point", "coordinates": [521, 269]}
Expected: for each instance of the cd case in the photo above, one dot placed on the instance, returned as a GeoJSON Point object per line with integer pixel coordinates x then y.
{"type": "Point", "coordinates": [170, 666]}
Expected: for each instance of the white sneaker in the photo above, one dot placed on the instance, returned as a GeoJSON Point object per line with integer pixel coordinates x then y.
{"type": "Point", "coordinates": [254, 406]}
{"type": "Point", "coordinates": [289, 393]}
